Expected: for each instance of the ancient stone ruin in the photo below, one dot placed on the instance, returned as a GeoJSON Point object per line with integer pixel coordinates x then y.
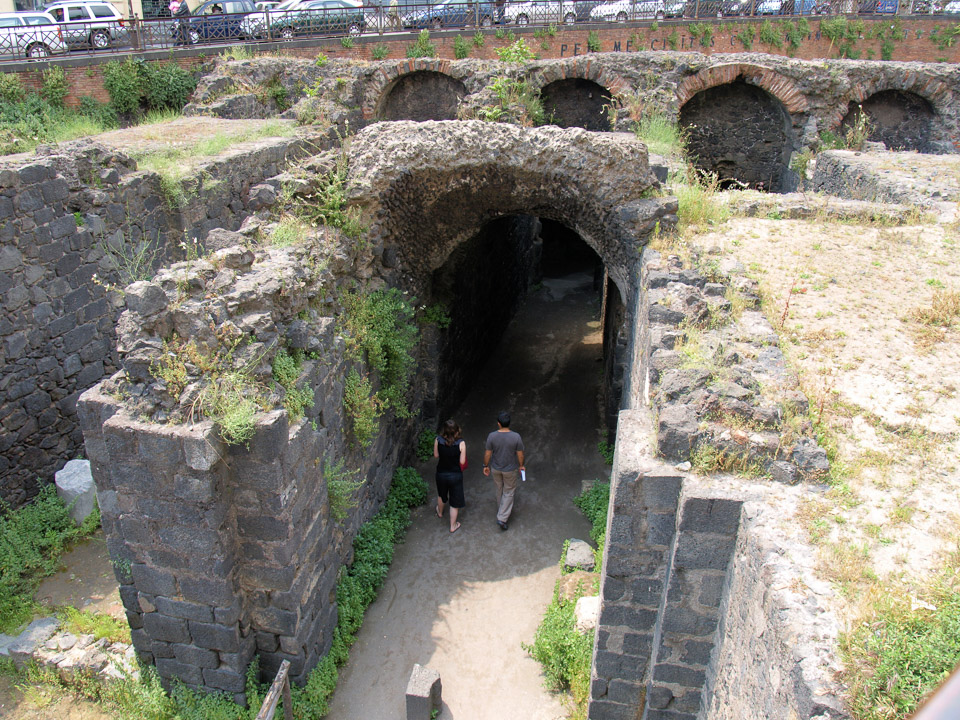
{"type": "Point", "coordinates": [226, 550]}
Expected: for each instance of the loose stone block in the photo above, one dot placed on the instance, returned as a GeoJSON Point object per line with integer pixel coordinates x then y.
{"type": "Point", "coordinates": [423, 693]}
{"type": "Point", "coordinates": [579, 556]}
{"type": "Point", "coordinates": [75, 485]}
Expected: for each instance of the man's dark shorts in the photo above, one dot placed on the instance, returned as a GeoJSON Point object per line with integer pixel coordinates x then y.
{"type": "Point", "coordinates": [450, 489]}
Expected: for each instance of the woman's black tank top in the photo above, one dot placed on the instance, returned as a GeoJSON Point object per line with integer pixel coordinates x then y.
{"type": "Point", "coordinates": [449, 456]}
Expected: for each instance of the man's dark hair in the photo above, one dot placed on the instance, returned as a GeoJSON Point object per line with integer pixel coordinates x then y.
{"type": "Point", "coordinates": [504, 419]}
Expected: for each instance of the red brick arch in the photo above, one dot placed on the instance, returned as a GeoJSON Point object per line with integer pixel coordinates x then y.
{"type": "Point", "coordinates": [581, 68]}
{"type": "Point", "coordinates": [387, 76]}
{"type": "Point", "coordinates": [781, 87]}
{"type": "Point", "coordinates": [934, 91]}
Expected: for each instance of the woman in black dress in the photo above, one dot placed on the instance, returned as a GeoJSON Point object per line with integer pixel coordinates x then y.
{"type": "Point", "coordinates": [451, 450]}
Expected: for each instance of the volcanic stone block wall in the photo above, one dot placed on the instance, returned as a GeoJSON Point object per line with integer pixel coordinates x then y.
{"type": "Point", "coordinates": [482, 284]}
{"type": "Point", "coordinates": [59, 210]}
{"type": "Point", "coordinates": [662, 584]}
{"type": "Point", "coordinates": [226, 551]}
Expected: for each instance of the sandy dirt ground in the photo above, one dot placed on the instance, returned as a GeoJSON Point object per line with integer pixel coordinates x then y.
{"type": "Point", "coordinates": [845, 300]}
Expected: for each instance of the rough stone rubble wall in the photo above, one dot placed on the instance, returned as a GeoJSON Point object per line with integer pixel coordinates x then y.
{"type": "Point", "coordinates": [58, 209]}
{"type": "Point", "coordinates": [689, 627]}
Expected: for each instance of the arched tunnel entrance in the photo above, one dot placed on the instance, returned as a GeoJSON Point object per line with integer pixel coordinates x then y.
{"type": "Point", "coordinates": [742, 134]}
{"type": "Point", "coordinates": [485, 281]}
{"type": "Point", "coordinates": [575, 102]}
{"type": "Point", "coordinates": [900, 120]}
{"type": "Point", "coordinates": [422, 95]}
{"type": "Point", "coordinates": [525, 311]}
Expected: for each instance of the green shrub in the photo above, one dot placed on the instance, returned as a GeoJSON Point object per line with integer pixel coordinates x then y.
{"type": "Point", "coordinates": [593, 503]}
{"type": "Point", "coordinates": [135, 85]}
{"type": "Point", "coordinates": [32, 539]}
{"type": "Point", "coordinates": [378, 329]}
{"type": "Point", "coordinates": [746, 37]}
{"type": "Point", "coordinates": [769, 35]}
{"type": "Point", "coordinates": [54, 88]}
{"type": "Point", "coordinates": [660, 135]}
{"type": "Point", "coordinates": [363, 408]}
{"type": "Point", "coordinates": [593, 41]}
{"type": "Point", "coordinates": [606, 450]}
{"type": "Point", "coordinates": [563, 652]}
{"type": "Point", "coordinates": [437, 314]}
{"type": "Point", "coordinates": [516, 53]}
{"type": "Point", "coordinates": [425, 444]}
{"type": "Point", "coordinates": [461, 48]}
{"type": "Point", "coordinates": [379, 51]}
{"type": "Point", "coordinates": [99, 112]}
{"type": "Point", "coordinates": [85, 622]}
{"type": "Point", "coordinates": [422, 47]}
{"type": "Point", "coordinates": [11, 89]}
{"type": "Point", "coordinates": [342, 487]}
{"type": "Point", "coordinates": [286, 371]}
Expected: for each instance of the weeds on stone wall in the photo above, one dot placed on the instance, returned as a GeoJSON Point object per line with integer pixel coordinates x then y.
{"type": "Point", "coordinates": [516, 101]}
{"type": "Point", "coordinates": [422, 47]}
{"type": "Point", "coordinates": [328, 205]}
{"type": "Point", "coordinates": [379, 330]}
{"type": "Point", "coordinates": [698, 201]}
{"type": "Point", "coordinates": [461, 48]}
{"type": "Point", "coordinates": [32, 540]}
{"type": "Point", "coordinates": [844, 34]}
{"type": "Point", "coordinates": [769, 35]}
{"type": "Point", "coordinates": [379, 51]}
{"type": "Point", "coordinates": [363, 407]}
{"type": "Point", "coordinates": [273, 89]}
{"type": "Point", "coordinates": [425, 444]}
{"type": "Point", "coordinates": [237, 53]}
{"type": "Point", "coordinates": [100, 625]}
{"type": "Point", "coordinates": [342, 487]}
{"type": "Point", "coordinates": [703, 32]}
{"type": "Point", "coordinates": [287, 367]}
{"type": "Point", "coordinates": [661, 135]}
{"type": "Point", "coordinates": [593, 41]}
{"type": "Point", "coordinates": [746, 37]}
{"type": "Point", "coordinates": [944, 38]}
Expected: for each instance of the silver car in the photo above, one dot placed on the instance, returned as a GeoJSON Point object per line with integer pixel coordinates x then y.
{"type": "Point", "coordinates": [30, 34]}
{"type": "Point", "coordinates": [540, 12]}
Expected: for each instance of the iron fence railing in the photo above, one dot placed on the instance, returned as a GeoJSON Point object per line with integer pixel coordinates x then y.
{"type": "Point", "coordinates": [331, 18]}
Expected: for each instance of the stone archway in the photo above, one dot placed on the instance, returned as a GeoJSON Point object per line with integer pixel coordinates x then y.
{"type": "Point", "coordinates": [899, 119]}
{"type": "Point", "coordinates": [425, 187]}
{"type": "Point", "coordinates": [574, 102]}
{"type": "Point", "coordinates": [419, 89]}
{"type": "Point", "coordinates": [741, 133]}
{"type": "Point", "coordinates": [909, 109]}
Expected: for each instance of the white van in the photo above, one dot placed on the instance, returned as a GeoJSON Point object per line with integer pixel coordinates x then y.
{"type": "Point", "coordinates": [98, 25]}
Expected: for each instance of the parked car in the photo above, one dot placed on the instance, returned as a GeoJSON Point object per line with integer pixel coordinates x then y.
{"type": "Point", "coordinates": [735, 8]}
{"type": "Point", "coordinates": [952, 8]}
{"type": "Point", "coordinates": [319, 17]}
{"type": "Point", "coordinates": [787, 7]}
{"type": "Point", "coordinates": [623, 10]}
{"type": "Point", "coordinates": [584, 7]}
{"type": "Point", "coordinates": [98, 25]}
{"type": "Point", "coordinates": [450, 13]}
{"type": "Point", "coordinates": [30, 34]}
{"type": "Point", "coordinates": [675, 8]}
{"type": "Point", "coordinates": [540, 12]}
{"type": "Point", "coordinates": [218, 20]}
{"type": "Point", "coordinates": [254, 25]}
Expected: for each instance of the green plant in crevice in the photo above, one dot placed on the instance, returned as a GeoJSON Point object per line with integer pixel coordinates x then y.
{"type": "Point", "coordinates": [593, 41]}
{"type": "Point", "coordinates": [606, 451]}
{"type": "Point", "coordinates": [422, 47]}
{"type": "Point", "coordinates": [362, 407]}
{"type": "Point", "coordinates": [437, 314]}
{"type": "Point", "coordinates": [478, 39]}
{"type": "Point", "coordinates": [287, 367]}
{"type": "Point", "coordinates": [342, 487]}
{"type": "Point", "coordinates": [703, 32]}
{"type": "Point", "coordinates": [347, 42]}
{"type": "Point", "coordinates": [944, 38]}
{"type": "Point", "coordinates": [795, 32]}
{"type": "Point", "coordinates": [594, 503]}
{"type": "Point", "coordinates": [673, 39]}
{"type": "Point", "coordinates": [661, 135]}
{"type": "Point", "coordinates": [379, 51]}
{"type": "Point", "coordinates": [378, 329]}
{"type": "Point", "coordinates": [843, 34]}
{"type": "Point", "coordinates": [746, 37]}
{"type": "Point", "coordinates": [461, 48]}
{"type": "Point", "coordinates": [328, 204]}
{"type": "Point", "coordinates": [425, 444]}
{"type": "Point", "coordinates": [769, 35]}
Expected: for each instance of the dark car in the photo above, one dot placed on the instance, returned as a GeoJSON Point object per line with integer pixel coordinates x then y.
{"type": "Point", "coordinates": [450, 13]}
{"type": "Point", "coordinates": [584, 7]}
{"type": "Point", "coordinates": [735, 8]}
{"type": "Point", "coordinates": [219, 20]}
{"type": "Point", "coordinates": [320, 17]}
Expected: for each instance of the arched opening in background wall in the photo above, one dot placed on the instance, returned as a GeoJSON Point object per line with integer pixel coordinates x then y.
{"type": "Point", "coordinates": [742, 134]}
{"type": "Point", "coordinates": [575, 102]}
{"type": "Point", "coordinates": [899, 119]}
{"type": "Point", "coordinates": [422, 95]}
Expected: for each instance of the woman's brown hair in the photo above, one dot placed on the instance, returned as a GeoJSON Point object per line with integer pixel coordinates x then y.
{"type": "Point", "coordinates": [450, 431]}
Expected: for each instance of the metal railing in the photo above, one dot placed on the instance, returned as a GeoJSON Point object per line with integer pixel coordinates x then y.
{"type": "Point", "coordinates": [314, 20]}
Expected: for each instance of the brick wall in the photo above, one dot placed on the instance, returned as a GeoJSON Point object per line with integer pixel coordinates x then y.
{"type": "Point", "coordinates": [84, 74]}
